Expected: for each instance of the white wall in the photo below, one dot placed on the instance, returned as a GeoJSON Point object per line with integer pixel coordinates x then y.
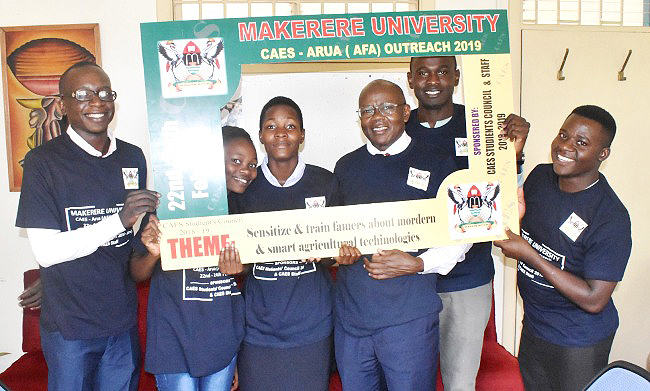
{"type": "Point", "coordinates": [119, 31]}
{"type": "Point", "coordinates": [332, 126]}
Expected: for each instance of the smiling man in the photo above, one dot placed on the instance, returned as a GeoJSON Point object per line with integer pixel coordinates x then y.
{"type": "Point", "coordinates": [386, 303]}
{"type": "Point", "coordinates": [466, 291]}
{"type": "Point", "coordinates": [574, 246]}
{"type": "Point", "coordinates": [82, 192]}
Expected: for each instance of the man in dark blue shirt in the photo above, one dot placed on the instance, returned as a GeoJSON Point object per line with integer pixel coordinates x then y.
{"type": "Point", "coordinates": [466, 292]}
{"type": "Point", "coordinates": [574, 246]}
{"type": "Point", "coordinates": [82, 193]}
{"type": "Point", "coordinates": [386, 303]}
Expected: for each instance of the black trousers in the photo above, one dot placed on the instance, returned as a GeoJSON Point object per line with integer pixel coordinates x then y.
{"type": "Point", "coordinates": [548, 367]}
{"type": "Point", "coordinates": [303, 368]}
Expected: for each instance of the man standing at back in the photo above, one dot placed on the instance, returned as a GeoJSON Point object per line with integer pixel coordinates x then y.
{"type": "Point", "coordinates": [466, 292]}
{"type": "Point", "coordinates": [82, 193]}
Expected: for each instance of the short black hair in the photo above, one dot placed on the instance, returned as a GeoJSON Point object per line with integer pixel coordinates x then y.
{"type": "Point", "coordinates": [412, 58]}
{"type": "Point", "coordinates": [81, 64]}
{"type": "Point", "coordinates": [232, 133]}
{"type": "Point", "coordinates": [281, 101]}
{"type": "Point", "coordinates": [600, 115]}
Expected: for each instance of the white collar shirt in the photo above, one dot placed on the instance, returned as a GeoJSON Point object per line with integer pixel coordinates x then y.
{"type": "Point", "coordinates": [295, 176]}
{"type": "Point", "coordinates": [83, 144]}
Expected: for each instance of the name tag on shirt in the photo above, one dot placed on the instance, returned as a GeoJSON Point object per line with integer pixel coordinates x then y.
{"type": "Point", "coordinates": [573, 226]}
{"type": "Point", "coordinates": [315, 202]}
{"type": "Point", "coordinates": [461, 146]}
{"type": "Point", "coordinates": [130, 177]}
{"type": "Point", "coordinates": [418, 178]}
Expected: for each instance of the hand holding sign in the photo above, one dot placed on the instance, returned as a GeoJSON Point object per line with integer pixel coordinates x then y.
{"type": "Point", "coordinates": [136, 204]}
{"type": "Point", "coordinates": [392, 263]}
{"type": "Point", "coordinates": [347, 255]}
{"type": "Point", "coordinates": [229, 260]}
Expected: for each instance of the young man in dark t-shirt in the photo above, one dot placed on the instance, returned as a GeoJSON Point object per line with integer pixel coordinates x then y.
{"type": "Point", "coordinates": [466, 292]}
{"type": "Point", "coordinates": [81, 194]}
{"type": "Point", "coordinates": [574, 246]}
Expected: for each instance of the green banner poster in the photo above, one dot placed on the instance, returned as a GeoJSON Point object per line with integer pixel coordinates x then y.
{"type": "Point", "coordinates": [193, 72]}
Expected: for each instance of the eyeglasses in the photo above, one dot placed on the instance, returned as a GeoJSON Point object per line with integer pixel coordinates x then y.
{"type": "Point", "coordinates": [384, 108]}
{"type": "Point", "coordinates": [85, 95]}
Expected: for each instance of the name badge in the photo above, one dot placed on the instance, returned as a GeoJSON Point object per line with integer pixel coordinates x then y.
{"type": "Point", "coordinates": [418, 178]}
{"type": "Point", "coordinates": [130, 177]}
{"type": "Point", "coordinates": [461, 146]}
{"type": "Point", "coordinates": [315, 202]}
{"type": "Point", "coordinates": [573, 226]}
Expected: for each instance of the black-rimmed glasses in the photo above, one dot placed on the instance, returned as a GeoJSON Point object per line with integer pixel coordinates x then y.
{"type": "Point", "coordinates": [384, 108]}
{"type": "Point", "coordinates": [85, 95]}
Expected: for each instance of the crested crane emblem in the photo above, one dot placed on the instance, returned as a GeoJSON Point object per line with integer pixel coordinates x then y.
{"type": "Point", "coordinates": [192, 67]}
{"type": "Point", "coordinates": [474, 206]}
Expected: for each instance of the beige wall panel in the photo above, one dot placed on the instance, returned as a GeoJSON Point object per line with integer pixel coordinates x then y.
{"type": "Point", "coordinates": [594, 59]}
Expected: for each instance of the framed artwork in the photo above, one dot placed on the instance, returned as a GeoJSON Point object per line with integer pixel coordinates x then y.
{"type": "Point", "coordinates": [33, 59]}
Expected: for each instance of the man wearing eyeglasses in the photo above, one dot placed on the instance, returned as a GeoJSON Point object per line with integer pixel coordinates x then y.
{"type": "Point", "coordinates": [386, 334]}
{"type": "Point", "coordinates": [466, 291]}
{"type": "Point", "coordinates": [81, 194]}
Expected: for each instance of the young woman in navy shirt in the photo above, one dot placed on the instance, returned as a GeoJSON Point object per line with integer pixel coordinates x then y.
{"type": "Point", "coordinates": [288, 304]}
{"type": "Point", "coordinates": [193, 336]}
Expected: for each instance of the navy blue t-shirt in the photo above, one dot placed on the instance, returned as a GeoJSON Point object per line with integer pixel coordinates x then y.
{"type": "Point", "coordinates": [195, 320]}
{"type": "Point", "coordinates": [65, 188]}
{"type": "Point", "coordinates": [288, 303]}
{"type": "Point", "coordinates": [478, 267]}
{"type": "Point", "coordinates": [585, 233]}
{"type": "Point", "coordinates": [364, 304]}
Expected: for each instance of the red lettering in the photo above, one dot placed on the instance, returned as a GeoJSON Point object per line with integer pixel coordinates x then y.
{"type": "Point", "coordinates": [198, 246]}
{"type": "Point", "coordinates": [265, 31]}
{"type": "Point", "coordinates": [395, 26]}
{"type": "Point", "coordinates": [298, 29]}
{"type": "Point", "coordinates": [327, 27]}
{"type": "Point", "coordinates": [378, 30]}
{"type": "Point", "coordinates": [407, 26]}
{"type": "Point", "coordinates": [224, 240]}
{"type": "Point", "coordinates": [418, 24]}
{"type": "Point", "coordinates": [172, 244]}
{"type": "Point", "coordinates": [459, 24]}
{"type": "Point", "coordinates": [479, 22]}
{"type": "Point", "coordinates": [312, 29]}
{"type": "Point", "coordinates": [247, 33]}
{"type": "Point", "coordinates": [281, 29]}
{"type": "Point", "coordinates": [445, 24]}
{"type": "Point", "coordinates": [342, 27]}
{"type": "Point", "coordinates": [211, 245]}
{"type": "Point", "coordinates": [357, 27]}
{"type": "Point", "coordinates": [185, 245]}
{"type": "Point", "coordinates": [492, 19]}
{"type": "Point", "coordinates": [196, 241]}
{"type": "Point", "coordinates": [432, 24]}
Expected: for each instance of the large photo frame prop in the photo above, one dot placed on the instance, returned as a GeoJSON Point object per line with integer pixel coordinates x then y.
{"type": "Point", "coordinates": [33, 59]}
{"type": "Point", "coordinates": [193, 69]}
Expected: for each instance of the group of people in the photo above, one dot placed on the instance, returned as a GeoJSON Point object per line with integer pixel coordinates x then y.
{"type": "Point", "coordinates": [388, 317]}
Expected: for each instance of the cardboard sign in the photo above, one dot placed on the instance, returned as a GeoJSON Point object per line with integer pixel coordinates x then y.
{"type": "Point", "coordinates": [192, 68]}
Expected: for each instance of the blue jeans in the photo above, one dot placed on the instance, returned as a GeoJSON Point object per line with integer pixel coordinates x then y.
{"type": "Point", "coordinates": [97, 364]}
{"type": "Point", "coordinates": [218, 381]}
